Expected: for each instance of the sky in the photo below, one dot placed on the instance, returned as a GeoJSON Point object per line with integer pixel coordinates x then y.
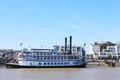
{"type": "Point", "coordinates": [44, 23]}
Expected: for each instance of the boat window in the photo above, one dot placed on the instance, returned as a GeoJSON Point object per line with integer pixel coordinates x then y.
{"type": "Point", "coordinates": [30, 63]}
{"type": "Point", "coordinates": [73, 50]}
{"type": "Point", "coordinates": [39, 63]}
{"type": "Point", "coordinates": [37, 57]}
{"type": "Point", "coordinates": [64, 62]}
{"type": "Point", "coordinates": [27, 53]}
{"type": "Point", "coordinates": [37, 53]}
{"type": "Point", "coordinates": [64, 57]}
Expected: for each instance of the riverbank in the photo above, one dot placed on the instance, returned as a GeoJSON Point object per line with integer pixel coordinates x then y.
{"type": "Point", "coordinates": [2, 66]}
{"type": "Point", "coordinates": [94, 64]}
{"type": "Point", "coordinates": [108, 63]}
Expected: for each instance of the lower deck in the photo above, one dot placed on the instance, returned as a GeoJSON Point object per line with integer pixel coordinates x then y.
{"type": "Point", "coordinates": [50, 63]}
{"type": "Point", "coordinates": [25, 66]}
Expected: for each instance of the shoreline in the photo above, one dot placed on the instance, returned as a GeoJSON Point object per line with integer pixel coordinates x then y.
{"type": "Point", "coordinates": [2, 66]}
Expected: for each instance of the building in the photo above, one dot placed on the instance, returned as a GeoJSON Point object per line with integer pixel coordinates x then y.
{"type": "Point", "coordinates": [118, 49]}
{"type": "Point", "coordinates": [0, 58]}
{"type": "Point", "coordinates": [105, 49]}
{"type": "Point", "coordinates": [6, 54]}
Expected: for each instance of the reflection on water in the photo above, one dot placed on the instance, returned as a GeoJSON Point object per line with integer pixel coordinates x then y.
{"type": "Point", "coordinates": [100, 73]}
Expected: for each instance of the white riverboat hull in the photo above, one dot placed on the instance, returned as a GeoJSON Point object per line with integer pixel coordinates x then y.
{"type": "Point", "coordinates": [10, 65]}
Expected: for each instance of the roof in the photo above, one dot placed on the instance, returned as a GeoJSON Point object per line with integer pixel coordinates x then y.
{"type": "Point", "coordinates": [105, 43]}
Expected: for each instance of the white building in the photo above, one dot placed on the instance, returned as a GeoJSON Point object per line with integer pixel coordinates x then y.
{"type": "Point", "coordinates": [118, 49]}
{"type": "Point", "coordinates": [105, 49]}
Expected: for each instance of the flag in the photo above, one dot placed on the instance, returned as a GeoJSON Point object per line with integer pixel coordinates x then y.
{"type": "Point", "coordinates": [84, 44]}
{"type": "Point", "coordinates": [21, 44]}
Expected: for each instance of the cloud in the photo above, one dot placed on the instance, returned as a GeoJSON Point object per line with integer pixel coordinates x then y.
{"type": "Point", "coordinates": [80, 24]}
{"type": "Point", "coordinates": [73, 26]}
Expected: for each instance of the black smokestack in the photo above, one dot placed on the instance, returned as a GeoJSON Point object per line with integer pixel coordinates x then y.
{"type": "Point", "coordinates": [70, 44]}
{"type": "Point", "coordinates": [65, 44]}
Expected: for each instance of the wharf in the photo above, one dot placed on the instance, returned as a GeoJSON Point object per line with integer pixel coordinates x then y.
{"type": "Point", "coordinates": [104, 63]}
{"type": "Point", "coordinates": [97, 64]}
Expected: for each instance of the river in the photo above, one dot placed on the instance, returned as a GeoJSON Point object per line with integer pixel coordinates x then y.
{"type": "Point", "coordinates": [89, 73]}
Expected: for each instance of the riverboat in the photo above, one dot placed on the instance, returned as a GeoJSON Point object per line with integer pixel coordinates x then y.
{"type": "Point", "coordinates": [58, 57]}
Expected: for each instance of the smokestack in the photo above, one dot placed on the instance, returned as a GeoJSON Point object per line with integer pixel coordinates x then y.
{"type": "Point", "coordinates": [70, 44]}
{"type": "Point", "coordinates": [65, 44]}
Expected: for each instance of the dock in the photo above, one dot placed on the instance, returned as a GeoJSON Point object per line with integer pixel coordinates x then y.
{"type": "Point", "coordinates": [105, 63]}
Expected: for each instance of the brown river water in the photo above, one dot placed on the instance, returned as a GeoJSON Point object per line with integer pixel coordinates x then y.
{"type": "Point", "coordinates": [89, 73]}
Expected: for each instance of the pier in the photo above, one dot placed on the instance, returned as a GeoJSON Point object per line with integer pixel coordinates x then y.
{"type": "Point", "coordinates": [105, 63]}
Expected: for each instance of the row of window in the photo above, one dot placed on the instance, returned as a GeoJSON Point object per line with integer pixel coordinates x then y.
{"type": "Point", "coordinates": [46, 53]}
{"type": "Point", "coordinates": [49, 58]}
{"type": "Point", "coordinates": [58, 63]}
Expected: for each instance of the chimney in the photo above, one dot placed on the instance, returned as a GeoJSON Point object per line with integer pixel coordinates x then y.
{"type": "Point", "coordinates": [65, 44]}
{"type": "Point", "coordinates": [70, 44]}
